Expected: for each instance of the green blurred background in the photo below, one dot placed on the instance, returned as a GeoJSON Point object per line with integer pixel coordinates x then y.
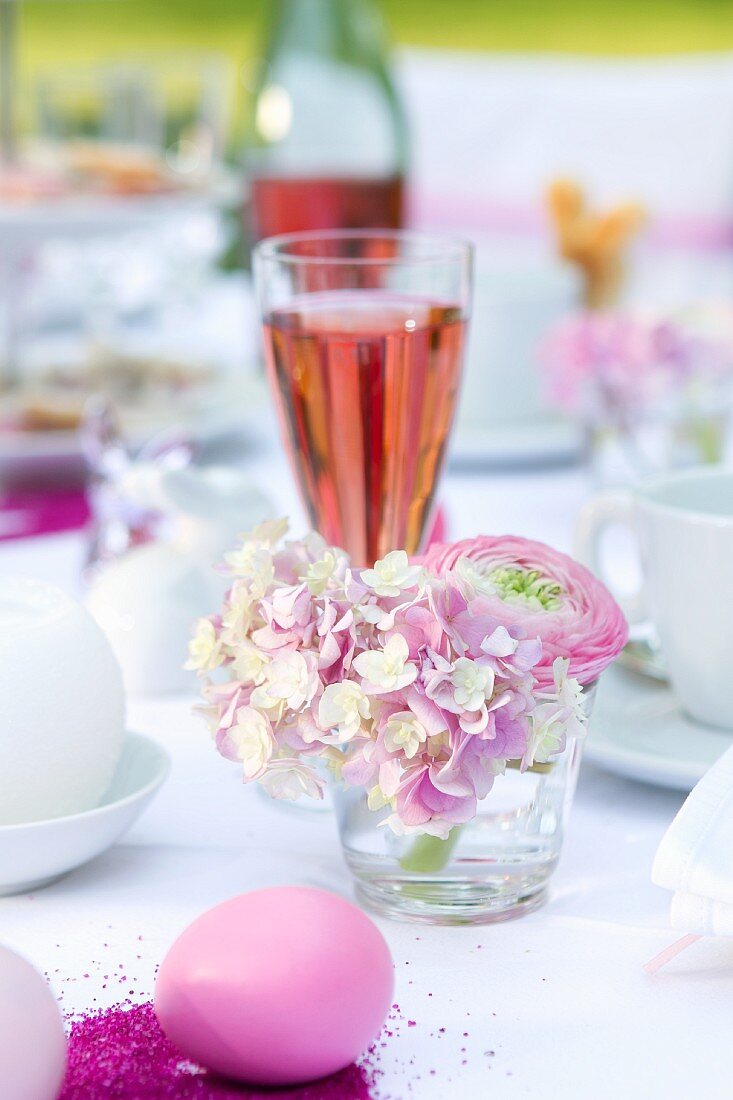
{"type": "Point", "coordinates": [69, 32]}
{"type": "Point", "coordinates": [82, 30]}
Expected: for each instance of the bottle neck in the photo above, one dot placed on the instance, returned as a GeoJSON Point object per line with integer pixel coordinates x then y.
{"type": "Point", "coordinates": [324, 103]}
{"type": "Point", "coordinates": [347, 30]}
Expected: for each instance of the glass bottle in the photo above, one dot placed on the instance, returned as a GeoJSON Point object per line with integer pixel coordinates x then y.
{"type": "Point", "coordinates": [327, 145]}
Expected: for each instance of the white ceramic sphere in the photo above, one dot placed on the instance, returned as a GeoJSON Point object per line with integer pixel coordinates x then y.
{"type": "Point", "coordinates": [32, 1040]}
{"type": "Point", "coordinates": [61, 705]}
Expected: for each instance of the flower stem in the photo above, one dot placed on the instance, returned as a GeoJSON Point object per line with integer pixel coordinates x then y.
{"type": "Point", "coordinates": [538, 769]}
{"type": "Point", "coordinates": [707, 436]}
{"type": "Point", "coordinates": [428, 854]}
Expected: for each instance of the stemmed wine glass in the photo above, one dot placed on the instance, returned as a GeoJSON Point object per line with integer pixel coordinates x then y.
{"type": "Point", "coordinates": [364, 340]}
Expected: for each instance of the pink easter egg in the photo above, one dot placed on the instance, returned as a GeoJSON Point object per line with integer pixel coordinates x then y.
{"type": "Point", "coordinates": [32, 1040]}
{"type": "Point", "coordinates": [276, 987]}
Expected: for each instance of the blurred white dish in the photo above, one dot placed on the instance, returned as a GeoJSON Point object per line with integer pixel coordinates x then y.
{"type": "Point", "coordinates": [221, 334]}
{"type": "Point", "coordinates": [548, 441]}
{"type": "Point", "coordinates": [89, 215]}
{"type": "Point", "coordinates": [235, 405]}
{"type": "Point", "coordinates": [639, 730]}
{"type": "Point", "coordinates": [38, 853]}
{"type": "Point", "coordinates": [503, 417]}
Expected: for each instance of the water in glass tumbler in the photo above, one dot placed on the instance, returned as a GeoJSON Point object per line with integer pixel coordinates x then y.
{"type": "Point", "coordinates": [366, 384]}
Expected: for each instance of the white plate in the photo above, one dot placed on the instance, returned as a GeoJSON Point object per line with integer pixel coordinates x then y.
{"type": "Point", "coordinates": [225, 334]}
{"type": "Point", "coordinates": [36, 854]}
{"type": "Point", "coordinates": [92, 215]}
{"type": "Point", "coordinates": [531, 444]}
{"type": "Point", "coordinates": [233, 406]}
{"type": "Point", "coordinates": [638, 729]}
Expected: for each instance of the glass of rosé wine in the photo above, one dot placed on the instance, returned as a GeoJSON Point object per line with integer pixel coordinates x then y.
{"type": "Point", "coordinates": [364, 339]}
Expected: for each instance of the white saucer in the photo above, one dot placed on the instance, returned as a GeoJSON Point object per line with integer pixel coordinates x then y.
{"type": "Point", "coordinates": [638, 729]}
{"type": "Point", "coordinates": [36, 854]}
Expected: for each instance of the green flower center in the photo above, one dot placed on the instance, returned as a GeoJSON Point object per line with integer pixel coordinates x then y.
{"type": "Point", "coordinates": [528, 587]}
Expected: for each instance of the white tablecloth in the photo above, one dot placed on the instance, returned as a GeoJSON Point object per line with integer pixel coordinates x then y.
{"type": "Point", "coordinates": [553, 1005]}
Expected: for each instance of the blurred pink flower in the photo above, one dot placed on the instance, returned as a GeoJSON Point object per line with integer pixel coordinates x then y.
{"type": "Point", "coordinates": [619, 363]}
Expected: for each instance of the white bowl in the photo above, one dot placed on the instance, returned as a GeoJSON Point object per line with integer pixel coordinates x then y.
{"type": "Point", "coordinates": [39, 852]}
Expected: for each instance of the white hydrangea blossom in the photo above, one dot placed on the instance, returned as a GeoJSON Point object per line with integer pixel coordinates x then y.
{"type": "Point", "coordinates": [343, 707]}
{"type": "Point", "coordinates": [253, 742]}
{"type": "Point", "coordinates": [403, 733]}
{"type": "Point", "coordinates": [387, 669]}
{"type": "Point", "coordinates": [205, 648]}
{"type": "Point", "coordinates": [392, 574]}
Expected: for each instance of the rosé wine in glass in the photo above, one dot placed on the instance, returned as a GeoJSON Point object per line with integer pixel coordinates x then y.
{"type": "Point", "coordinates": [364, 336]}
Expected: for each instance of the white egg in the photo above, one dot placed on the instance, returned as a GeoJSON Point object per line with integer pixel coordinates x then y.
{"type": "Point", "coordinates": [148, 600]}
{"type": "Point", "coordinates": [147, 603]}
{"type": "Point", "coordinates": [61, 705]}
{"type": "Point", "coordinates": [32, 1040]}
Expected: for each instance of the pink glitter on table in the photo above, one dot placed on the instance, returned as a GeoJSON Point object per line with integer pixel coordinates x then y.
{"type": "Point", "coordinates": [121, 1053]}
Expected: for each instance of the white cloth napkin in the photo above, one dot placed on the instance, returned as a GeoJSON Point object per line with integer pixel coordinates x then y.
{"type": "Point", "coordinates": [695, 858]}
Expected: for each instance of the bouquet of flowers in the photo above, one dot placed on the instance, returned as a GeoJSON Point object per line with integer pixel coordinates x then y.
{"type": "Point", "coordinates": [653, 392]}
{"type": "Point", "coordinates": [606, 364]}
{"type": "Point", "coordinates": [419, 681]}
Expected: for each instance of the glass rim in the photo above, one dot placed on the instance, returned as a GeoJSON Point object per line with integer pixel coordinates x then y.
{"type": "Point", "coordinates": [438, 249]}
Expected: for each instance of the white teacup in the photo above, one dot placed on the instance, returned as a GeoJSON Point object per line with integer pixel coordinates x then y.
{"type": "Point", "coordinates": [684, 522]}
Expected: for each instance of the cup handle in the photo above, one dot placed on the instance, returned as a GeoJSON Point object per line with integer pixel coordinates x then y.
{"type": "Point", "coordinates": [594, 518]}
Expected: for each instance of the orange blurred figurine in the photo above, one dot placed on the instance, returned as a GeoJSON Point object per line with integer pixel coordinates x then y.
{"type": "Point", "coordinates": [596, 242]}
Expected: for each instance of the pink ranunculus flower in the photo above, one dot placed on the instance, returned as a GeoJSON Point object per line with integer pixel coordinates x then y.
{"type": "Point", "coordinates": [527, 584]}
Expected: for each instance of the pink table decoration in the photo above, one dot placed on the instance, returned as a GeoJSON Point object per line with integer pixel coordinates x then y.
{"type": "Point", "coordinates": [25, 513]}
{"type": "Point", "coordinates": [276, 987]}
